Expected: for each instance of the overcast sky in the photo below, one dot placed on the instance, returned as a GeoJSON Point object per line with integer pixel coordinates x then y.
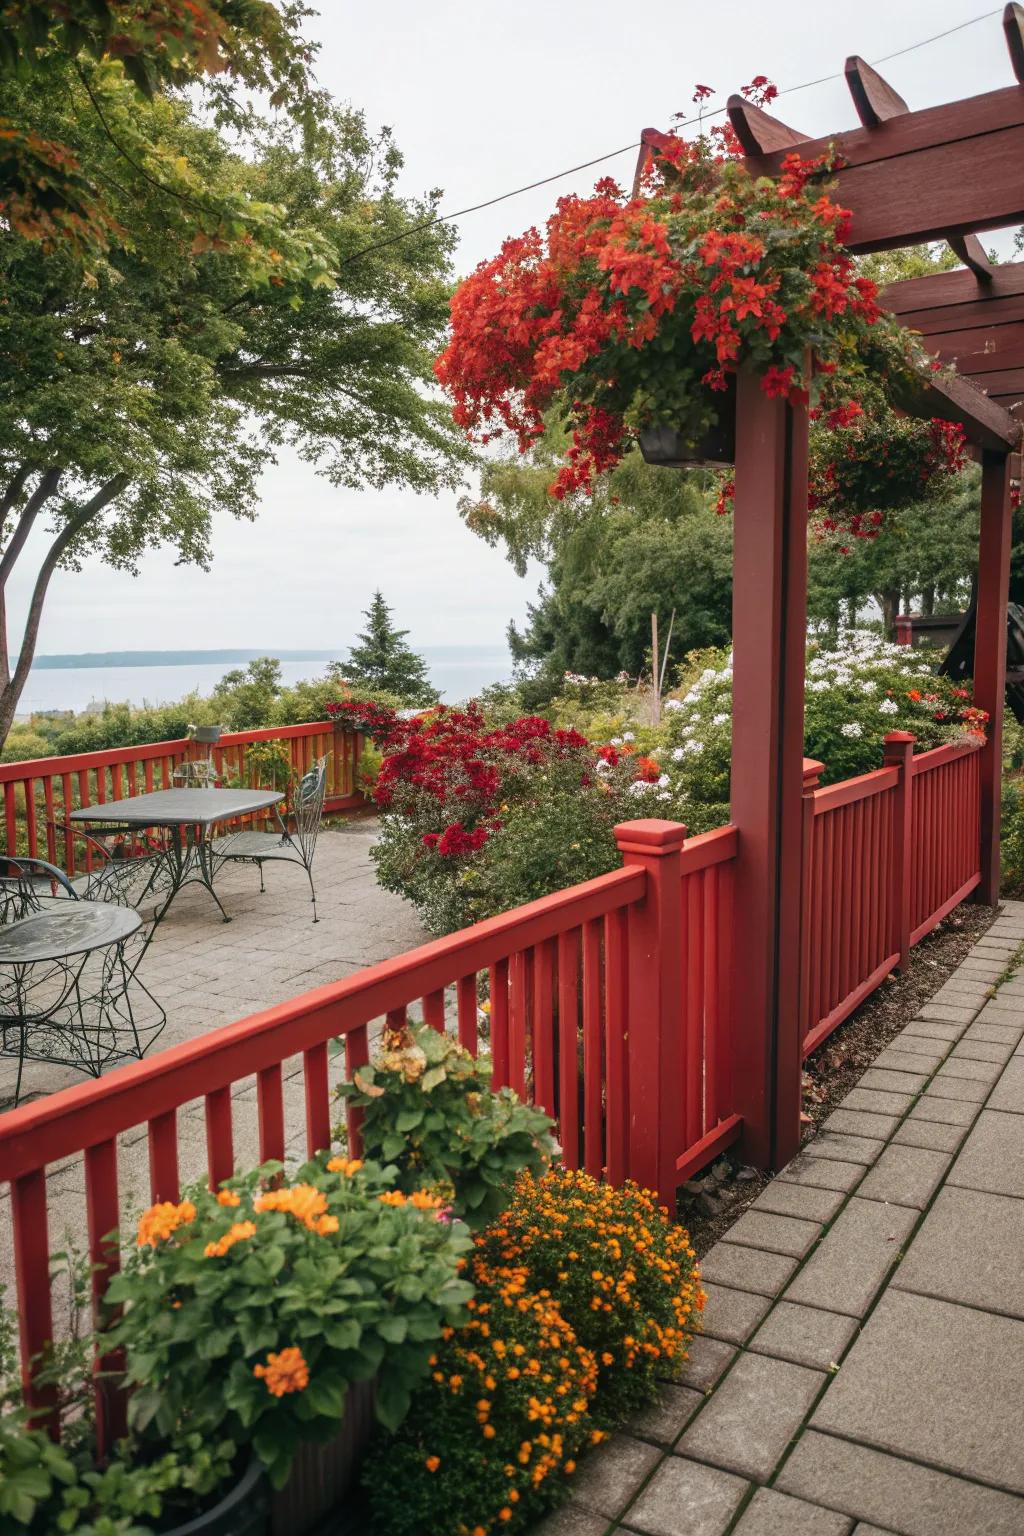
{"type": "Point", "coordinates": [483, 99]}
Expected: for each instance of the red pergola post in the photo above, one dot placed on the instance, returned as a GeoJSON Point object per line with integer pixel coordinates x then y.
{"type": "Point", "coordinates": [990, 653]}
{"type": "Point", "coordinates": [769, 636]}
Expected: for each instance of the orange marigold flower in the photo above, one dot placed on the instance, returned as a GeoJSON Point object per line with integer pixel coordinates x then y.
{"type": "Point", "coordinates": [432, 1463]}
{"type": "Point", "coordinates": [228, 1197]}
{"type": "Point", "coordinates": [284, 1372]}
{"type": "Point", "coordinates": [236, 1233]}
{"type": "Point", "coordinates": [424, 1201]}
{"type": "Point", "coordinates": [346, 1165]}
{"type": "Point", "coordinates": [157, 1224]}
{"type": "Point", "coordinates": [392, 1197]}
{"type": "Point", "coordinates": [504, 1513]}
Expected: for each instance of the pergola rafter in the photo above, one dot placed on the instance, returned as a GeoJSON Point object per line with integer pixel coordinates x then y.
{"type": "Point", "coordinates": [907, 177]}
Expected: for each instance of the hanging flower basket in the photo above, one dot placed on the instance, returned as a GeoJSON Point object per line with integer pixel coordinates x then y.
{"type": "Point", "coordinates": [627, 318]}
{"type": "Point", "coordinates": [668, 448]}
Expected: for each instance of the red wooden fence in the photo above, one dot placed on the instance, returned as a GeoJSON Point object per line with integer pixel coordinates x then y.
{"type": "Point", "coordinates": [610, 1003]}
{"type": "Point", "coordinates": [885, 857]}
{"type": "Point", "coordinates": [609, 1006]}
{"type": "Point", "coordinates": [41, 791]}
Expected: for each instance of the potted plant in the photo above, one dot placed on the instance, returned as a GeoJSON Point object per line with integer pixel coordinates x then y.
{"type": "Point", "coordinates": [247, 1319]}
{"type": "Point", "coordinates": [209, 735]}
{"type": "Point", "coordinates": [629, 316]}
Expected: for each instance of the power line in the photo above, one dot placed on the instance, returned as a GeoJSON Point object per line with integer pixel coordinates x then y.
{"type": "Point", "coordinates": [613, 154]}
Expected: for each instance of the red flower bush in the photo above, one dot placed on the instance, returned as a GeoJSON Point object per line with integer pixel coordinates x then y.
{"type": "Point", "coordinates": [629, 312]}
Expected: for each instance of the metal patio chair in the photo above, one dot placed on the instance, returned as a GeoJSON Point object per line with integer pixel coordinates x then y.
{"type": "Point", "coordinates": [69, 983]}
{"type": "Point", "coordinates": [295, 847]}
{"type": "Point", "coordinates": [197, 773]}
{"type": "Point", "coordinates": [117, 864]}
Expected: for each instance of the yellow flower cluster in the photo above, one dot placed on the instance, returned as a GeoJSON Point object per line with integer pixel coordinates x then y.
{"type": "Point", "coordinates": [157, 1224]}
{"type": "Point", "coordinates": [236, 1233]}
{"type": "Point", "coordinates": [303, 1201]}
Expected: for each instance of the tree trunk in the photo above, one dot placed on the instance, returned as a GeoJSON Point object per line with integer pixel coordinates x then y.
{"type": "Point", "coordinates": [12, 688]}
{"type": "Point", "coordinates": [889, 602]}
{"type": "Point", "coordinates": [928, 601]}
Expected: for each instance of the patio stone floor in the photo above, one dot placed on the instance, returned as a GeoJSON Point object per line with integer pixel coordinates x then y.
{"type": "Point", "coordinates": [861, 1368]}
{"type": "Point", "coordinates": [205, 973]}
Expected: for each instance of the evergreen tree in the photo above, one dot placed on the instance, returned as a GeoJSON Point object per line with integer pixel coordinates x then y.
{"type": "Point", "coordinates": [383, 660]}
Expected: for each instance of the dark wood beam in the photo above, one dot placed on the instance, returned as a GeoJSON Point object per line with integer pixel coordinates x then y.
{"type": "Point", "coordinates": [950, 398]}
{"type": "Point", "coordinates": [758, 132]}
{"type": "Point", "coordinates": [1013, 26]}
{"type": "Point", "coordinates": [957, 301]}
{"type": "Point", "coordinates": [947, 170]}
{"type": "Point", "coordinates": [982, 350]}
{"type": "Point", "coordinates": [973, 254]}
{"type": "Point", "coordinates": [874, 98]}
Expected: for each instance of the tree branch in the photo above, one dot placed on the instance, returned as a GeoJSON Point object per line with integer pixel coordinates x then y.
{"type": "Point", "coordinates": [57, 549]}
{"type": "Point", "coordinates": [47, 486]}
{"type": "Point", "coordinates": [14, 489]}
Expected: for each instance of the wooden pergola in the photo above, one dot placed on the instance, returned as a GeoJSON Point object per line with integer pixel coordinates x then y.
{"type": "Point", "coordinates": [907, 177]}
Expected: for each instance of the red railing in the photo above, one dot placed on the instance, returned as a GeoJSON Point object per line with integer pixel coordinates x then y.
{"type": "Point", "coordinates": [608, 1006]}
{"type": "Point", "coordinates": [885, 857]}
{"type": "Point", "coordinates": [39, 793]}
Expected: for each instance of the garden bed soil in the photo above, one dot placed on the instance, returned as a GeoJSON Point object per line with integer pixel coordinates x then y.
{"type": "Point", "coordinates": [835, 1068]}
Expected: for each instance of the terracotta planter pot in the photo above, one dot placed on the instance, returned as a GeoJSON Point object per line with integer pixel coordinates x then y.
{"type": "Point", "coordinates": [324, 1477]}
{"type": "Point", "coordinates": [243, 1511]}
{"type": "Point", "coordinates": [666, 447]}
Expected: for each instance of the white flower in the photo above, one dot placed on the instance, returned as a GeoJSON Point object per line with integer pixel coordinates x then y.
{"type": "Point", "coordinates": [603, 767]}
{"type": "Point", "coordinates": [821, 685]}
{"type": "Point", "coordinates": [664, 796]}
{"type": "Point", "coordinates": [720, 719]}
{"type": "Point", "coordinates": [852, 730]}
{"type": "Point", "coordinates": [888, 707]}
{"type": "Point", "coordinates": [694, 747]}
{"type": "Point", "coordinates": [708, 675]}
{"type": "Point", "coordinates": [628, 736]}
{"type": "Point", "coordinates": [664, 781]}
{"type": "Point", "coordinates": [616, 741]}
{"type": "Point", "coordinates": [639, 787]}
{"type": "Point", "coordinates": [842, 676]}
{"type": "Point", "coordinates": [673, 703]}
{"type": "Point", "coordinates": [868, 686]}
{"type": "Point", "coordinates": [678, 754]}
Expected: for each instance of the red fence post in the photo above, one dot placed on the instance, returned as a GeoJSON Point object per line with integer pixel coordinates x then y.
{"type": "Point", "coordinates": [904, 629]}
{"type": "Point", "coordinates": [812, 774]}
{"type": "Point", "coordinates": [990, 654]}
{"type": "Point", "coordinates": [654, 1004]}
{"type": "Point", "coordinates": [769, 624]}
{"type": "Point", "coordinates": [899, 754]}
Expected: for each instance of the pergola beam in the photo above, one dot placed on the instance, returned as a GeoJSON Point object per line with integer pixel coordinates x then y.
{"type": "Point", "coordinates": [947, 170]}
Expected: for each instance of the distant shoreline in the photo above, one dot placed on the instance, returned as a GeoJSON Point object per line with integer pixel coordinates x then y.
{"type": "Point", "coordinates": [168, 658]}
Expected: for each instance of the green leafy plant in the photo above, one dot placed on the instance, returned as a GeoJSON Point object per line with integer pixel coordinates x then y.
{"type": "Point", "coordinates": [493, 1436]}
{"type": "Point", "coordinates": [428, 1108]}
{"type": "Point", "coordinates": [249, 1313]}
{"type": "Point", "coordinates": [625, 1276]}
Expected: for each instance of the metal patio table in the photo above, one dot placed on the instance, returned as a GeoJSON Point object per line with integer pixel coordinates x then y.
{"type": "Point", "coordinates": [186, 855]}
{"type": "Point", "coordinates": [66, 986]}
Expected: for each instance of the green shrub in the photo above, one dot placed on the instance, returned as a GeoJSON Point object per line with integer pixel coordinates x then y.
{"type": "Point", "coordinates": [625, 1276]}
{"type": "Point", "coordinates": [429, 1110]}
{"type": "Point", "coordinates": [492, 1439]}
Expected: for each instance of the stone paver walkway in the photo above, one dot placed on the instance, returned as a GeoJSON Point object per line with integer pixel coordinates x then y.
{"type": "Point", "coordinates": [861, 1370]}
{"type": "Point", "coordinates": [205, 973]}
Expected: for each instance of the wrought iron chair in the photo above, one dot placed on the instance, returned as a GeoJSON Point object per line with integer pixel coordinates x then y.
{"type": "Point", "coordinates": [66, 998]}
{"type": "Point", "coordinates": [296, 847]}
{"type": "Point", "coordinates": [117, 864]}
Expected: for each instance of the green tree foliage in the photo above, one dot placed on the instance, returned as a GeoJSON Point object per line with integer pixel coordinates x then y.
{"type": "Point", "coordinates": [50, 191]}
{"type": "Point", "coordinates": [648, 541]}
{"type": "Point", "coordinates": [923, 560]}
{"type": "Point", "coordinates": [143, 391]}
{"type": "Point", "coordinates": [383, 660]}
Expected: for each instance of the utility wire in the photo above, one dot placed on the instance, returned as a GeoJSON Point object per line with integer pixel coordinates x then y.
{"type": "Point", "coordinates": [613, 154]}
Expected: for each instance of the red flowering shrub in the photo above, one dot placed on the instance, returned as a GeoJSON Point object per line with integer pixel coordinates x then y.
{"type": "Point", "coordinates": [629, 312]}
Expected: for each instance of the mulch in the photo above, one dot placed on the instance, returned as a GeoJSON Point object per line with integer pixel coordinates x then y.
{"type": "Point", "coordinates": [710, 1204]}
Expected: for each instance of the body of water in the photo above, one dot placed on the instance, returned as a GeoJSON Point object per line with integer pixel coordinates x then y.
{"type": "Point", "coordinates": [456, 671]}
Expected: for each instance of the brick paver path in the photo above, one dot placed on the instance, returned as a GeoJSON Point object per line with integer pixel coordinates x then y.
{"type": "Point", "coordinates": [862, 1364]}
